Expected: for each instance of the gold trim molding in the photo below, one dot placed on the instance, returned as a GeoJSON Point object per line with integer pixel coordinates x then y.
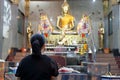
{"type": "Point", "coordinates": [27, 6]}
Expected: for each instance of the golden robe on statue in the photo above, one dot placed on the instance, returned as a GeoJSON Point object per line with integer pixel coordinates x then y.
{"type": "Point", "coordinates": [65, 21]}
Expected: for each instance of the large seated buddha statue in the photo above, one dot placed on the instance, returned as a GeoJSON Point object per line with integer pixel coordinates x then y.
{"type": "Point", "coordinates": [65, 21]}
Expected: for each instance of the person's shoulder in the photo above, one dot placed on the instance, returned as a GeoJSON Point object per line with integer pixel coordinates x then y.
{"type": "Point", "coordinates": [45, 56]}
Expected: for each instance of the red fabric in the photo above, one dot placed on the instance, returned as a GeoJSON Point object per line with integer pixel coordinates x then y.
{"type": "Point", "coordinates": [46, 34]}
{"type": "Point", "coordinates": [83, 35]}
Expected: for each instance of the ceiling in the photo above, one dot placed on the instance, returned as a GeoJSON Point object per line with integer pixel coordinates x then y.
{"type": "Point", "coordinates": [46, 0]}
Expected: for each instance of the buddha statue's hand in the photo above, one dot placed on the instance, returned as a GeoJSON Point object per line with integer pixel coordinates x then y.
{"type": "Point", "coordinates": [66, 27]}
{"type": "Point", "coordinates": [60, 28]}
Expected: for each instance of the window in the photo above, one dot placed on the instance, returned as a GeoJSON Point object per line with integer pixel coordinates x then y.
{"type": "Point", "coordinates": [110, 25]}
{"type": "Point", "coordinates": [20, 22]}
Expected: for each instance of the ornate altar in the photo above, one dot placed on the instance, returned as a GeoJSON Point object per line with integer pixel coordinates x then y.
{"type": "Point", "coordinates": [65, 35]}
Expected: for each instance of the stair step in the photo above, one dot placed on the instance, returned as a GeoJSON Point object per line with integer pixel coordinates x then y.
{"type": "Point", "coordinates": [16, 60]}
{"type": "Point", "coordinates": [115, 72]}
{"type": "Point", "coordinates": [20, 54]}
{"type": "Point", "coordinates": [112, 63]}
{"type": "Point", "coordinates": [19, 58]}
{"type": "Point", "coordinates": [108, 55]}
{"type": "Point", "coordinates": [114, 66]}
{"type": "Point", "coordinates": [109, 58]}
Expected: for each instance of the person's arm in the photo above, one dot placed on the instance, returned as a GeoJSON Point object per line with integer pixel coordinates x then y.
{"type": "Point", "coordinates": [54, 69]}
{"type": "Point", "coordinates": [53, 78]}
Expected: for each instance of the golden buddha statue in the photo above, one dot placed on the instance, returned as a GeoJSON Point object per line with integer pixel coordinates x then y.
{"type": "Point", "coordinates": [29, 33]}
{"type": "Point", "coordinates": [65, 21]}
{"type": "Point", "coordinates": [101, 36]}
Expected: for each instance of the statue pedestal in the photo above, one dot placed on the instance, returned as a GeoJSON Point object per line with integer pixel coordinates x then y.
{"type": "Point", "coordinates": [66, 38]}
{"type": "Point", "coordinates": [66, 32]}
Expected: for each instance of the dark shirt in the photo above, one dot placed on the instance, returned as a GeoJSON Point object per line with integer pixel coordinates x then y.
{"type": "Point", "coordinates": [37, 68]}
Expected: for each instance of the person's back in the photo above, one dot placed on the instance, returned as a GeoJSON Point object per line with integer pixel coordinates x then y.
{"type": "Point", "coordinates": [37, 66]}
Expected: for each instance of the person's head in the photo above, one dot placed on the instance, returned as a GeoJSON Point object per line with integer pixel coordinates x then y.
{"type": "Point", "coordinates": [65, 7]}
{"type": "Point", "coordinates": [37, 43]}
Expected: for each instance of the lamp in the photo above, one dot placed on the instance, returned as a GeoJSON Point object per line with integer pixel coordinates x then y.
{"type": "Point", "coordinates": [94, 0]}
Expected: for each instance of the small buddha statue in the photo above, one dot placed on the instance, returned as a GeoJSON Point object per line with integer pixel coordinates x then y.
{"type": "Point", "coordinates": [101, 36]}
{"type": "Point", "coordinates": [65, 21]}
{"type": "Point", "coordinates": [29, 32]}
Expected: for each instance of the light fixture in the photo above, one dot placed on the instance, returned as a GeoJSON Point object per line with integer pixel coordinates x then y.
{"type": "Point", "coordinates": [94, 0]}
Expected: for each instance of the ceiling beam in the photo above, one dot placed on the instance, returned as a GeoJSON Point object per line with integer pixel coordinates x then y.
{"type": "Point", "coordinates": [46, 0]}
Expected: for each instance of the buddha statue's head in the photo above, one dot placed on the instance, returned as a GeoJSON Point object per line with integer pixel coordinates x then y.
{"type": "Point", "coordinates": [65, 7]}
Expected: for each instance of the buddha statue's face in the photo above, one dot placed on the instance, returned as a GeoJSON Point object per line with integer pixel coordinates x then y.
{"type": "Point", "coordinates": [65, 9]}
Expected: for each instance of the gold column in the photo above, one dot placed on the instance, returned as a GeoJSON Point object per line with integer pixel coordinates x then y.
{"type": "Point", "coordinates": [26, 7]}
{"type": "Point", "coordinates": [113, 2]}
{"type": "Point", "coordinates": [105, 7]}
{"type": "Point", "coordinates": [27, 4]}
